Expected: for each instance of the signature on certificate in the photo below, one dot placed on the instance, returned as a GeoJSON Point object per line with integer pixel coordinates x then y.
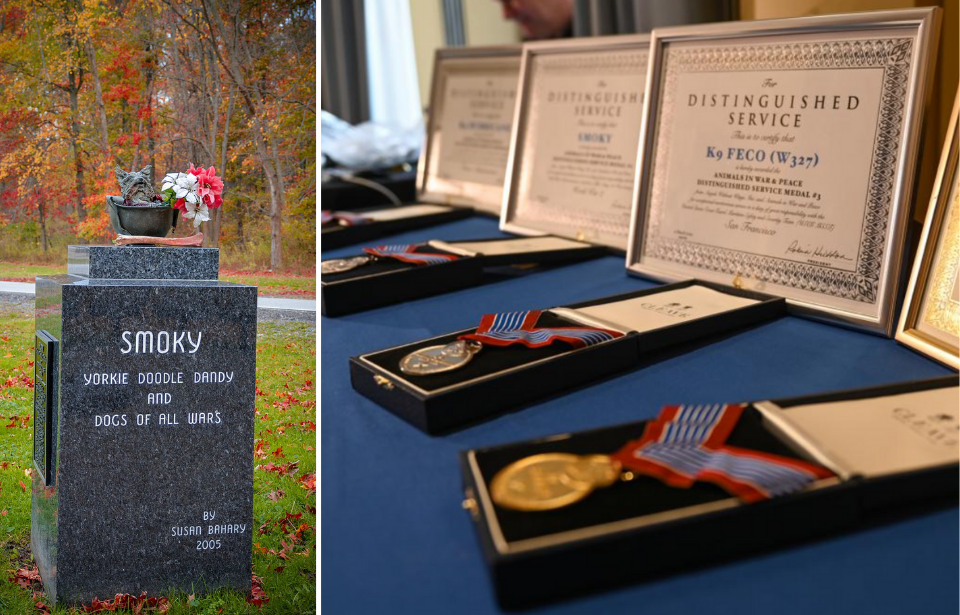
{"type": "Point", "coordinates": [819, 251]}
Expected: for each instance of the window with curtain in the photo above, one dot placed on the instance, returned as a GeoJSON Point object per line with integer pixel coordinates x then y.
{"type": "Point", "coordinates": [391, 65]}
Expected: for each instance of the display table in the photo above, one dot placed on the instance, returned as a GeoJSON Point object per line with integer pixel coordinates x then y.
{"type": "Point", "coordinates": [397, 540]}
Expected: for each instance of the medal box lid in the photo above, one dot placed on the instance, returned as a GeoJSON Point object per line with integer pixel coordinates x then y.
{"type": "Point", "coordinates": [502, 378]}
{"type": "Point", "coordinates": [389, 221]}
{"type": "Point", "coordinates": [391, 281]}
{"type": "Point", "coordinates": [641, 529]}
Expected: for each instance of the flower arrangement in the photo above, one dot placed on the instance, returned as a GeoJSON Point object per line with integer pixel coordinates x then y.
{"type": "Point", "coordinates": [194, 193]}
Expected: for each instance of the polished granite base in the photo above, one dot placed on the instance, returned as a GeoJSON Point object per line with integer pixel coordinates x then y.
{"type": "Point", "coordinates": [143, 262]}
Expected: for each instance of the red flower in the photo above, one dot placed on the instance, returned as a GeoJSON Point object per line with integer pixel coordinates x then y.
{"type": "Point", "coordinates": [210, 187]}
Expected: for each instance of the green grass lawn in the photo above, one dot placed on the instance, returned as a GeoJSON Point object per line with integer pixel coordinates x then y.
{"type": "Point", "coordinates": [284, 504]}
{"type": "Point", "coordinates": [275, 284]}
{"type": "Point", "coordinates": [270, 284]}
{"type": "Point", "coordinates": [23, 272]}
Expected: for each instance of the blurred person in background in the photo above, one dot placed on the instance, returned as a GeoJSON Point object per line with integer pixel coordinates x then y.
{"type": "Point", "coordinates": [540, 19]}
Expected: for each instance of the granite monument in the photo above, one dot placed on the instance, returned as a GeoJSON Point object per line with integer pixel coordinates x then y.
{"type": "Point", "coordinates": [144, 425]}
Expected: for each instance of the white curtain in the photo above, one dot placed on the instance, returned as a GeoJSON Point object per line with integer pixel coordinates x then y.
{"type": "Point", "coordinates": [391, 64]}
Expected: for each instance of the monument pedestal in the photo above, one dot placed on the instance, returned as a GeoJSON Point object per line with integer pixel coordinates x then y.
{"type": "Point", "coordinates": [144, 428]}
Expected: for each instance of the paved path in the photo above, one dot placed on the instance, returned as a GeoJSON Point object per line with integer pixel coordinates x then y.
{"type": "Point", "coordinates": [20, 288]}
{"type": "Point", "coordinates": [280, 303]}
{"type": "Point", "coordinates": [275, 307]}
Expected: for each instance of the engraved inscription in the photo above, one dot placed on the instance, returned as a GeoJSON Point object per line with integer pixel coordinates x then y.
{"type": "Point", "coordinates": [210, 527]}
{"type": "Point", "coordinates": [161, 343]}
{"type": "Point", "coordinates": [158, 381]}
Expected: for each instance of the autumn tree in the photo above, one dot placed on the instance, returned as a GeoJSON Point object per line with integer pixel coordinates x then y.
{"type": "Point", "coordinates": [236, 32]}
{"type": "Point", "coordinates": [86, 85]}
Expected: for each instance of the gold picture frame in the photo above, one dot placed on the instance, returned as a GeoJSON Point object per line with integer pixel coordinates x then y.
{"type": "Point", "coordinates": [930, 320]}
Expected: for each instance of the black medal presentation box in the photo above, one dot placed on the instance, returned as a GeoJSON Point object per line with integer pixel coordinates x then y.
{"type": "Point", "coordinates": [377, 282]}
{"type": "Point", "coordinates": [500, 378]}
{"type": "Point", "coordinates": [348, 228]}
{"type": "Point", "coordinates": [342, 195]}
{"type": "Point", "coordinates": [893, 450]}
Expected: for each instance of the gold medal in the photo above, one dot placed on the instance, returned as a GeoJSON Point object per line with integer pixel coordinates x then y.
{"type": "Point", "coordinates": [552, 480]}
{"type": "Point", "coordinates": [682, 446]}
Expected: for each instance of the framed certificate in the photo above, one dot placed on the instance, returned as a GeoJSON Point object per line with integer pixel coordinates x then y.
{"type": "Point", "coordinates": [780, 155]}
{"type": "Point", "coordinates": [573, 155]}
{"type": "Point", "coordinates": [930, 319]}
{"type": "Point", "coordinates": [468, 132]}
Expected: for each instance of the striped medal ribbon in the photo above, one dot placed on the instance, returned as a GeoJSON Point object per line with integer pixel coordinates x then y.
{"type": "Point", "coordinates": [344, 218]}
{"type": "Point", "coordinates": [503, 329]}
{"type": "Point", "coordinates": [407, 253]}
{"type": "Point", "coordinates": [508, 328]}
{"type": "Point", "coordinates": [686, 444]}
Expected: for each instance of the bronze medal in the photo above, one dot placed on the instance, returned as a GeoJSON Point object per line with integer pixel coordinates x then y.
{"type": "Point", "coordinates": [340, 265]}
{"type": "Point", "coordinates": [439, 359]}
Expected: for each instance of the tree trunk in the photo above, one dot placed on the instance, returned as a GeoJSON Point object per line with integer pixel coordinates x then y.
{"type": "Point", "coordinates": [43, 219]}
{"type": "Point", "coordinates": [276, 237]}
{"type": "Point", "coordinates": [208, 119]}
{"type": "Point", "coordinates": [241, 241]}
{"type": "Point", "coordinates": [151, 135]}
{"type": "Point", "coordinates": [43, 58]}
{"type": "Point", "coordinates": [98, 92]}
{"type": "Point", "coordinates": [217, 220]}
{"type": "Point", "coordinates": [148, 75]}
{"type": "Point", "coordinates": [73, 88]}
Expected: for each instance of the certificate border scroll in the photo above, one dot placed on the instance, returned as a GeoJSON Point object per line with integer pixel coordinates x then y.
{"type": "Point", "coordinates": [936, 265]}
{"type": "Point", "coordinates": [898, 42]}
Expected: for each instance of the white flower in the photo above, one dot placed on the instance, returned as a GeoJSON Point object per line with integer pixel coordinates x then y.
{"type": "Point", "coordinates": [170, 180]}
{"type": "Point", "coordinates": [184, 186]}
{"type": "Point", "coordinates": [199, 214]}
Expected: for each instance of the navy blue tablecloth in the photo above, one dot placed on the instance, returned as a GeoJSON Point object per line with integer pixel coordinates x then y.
{"type": "Point", "coordinates": [394, 536]}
